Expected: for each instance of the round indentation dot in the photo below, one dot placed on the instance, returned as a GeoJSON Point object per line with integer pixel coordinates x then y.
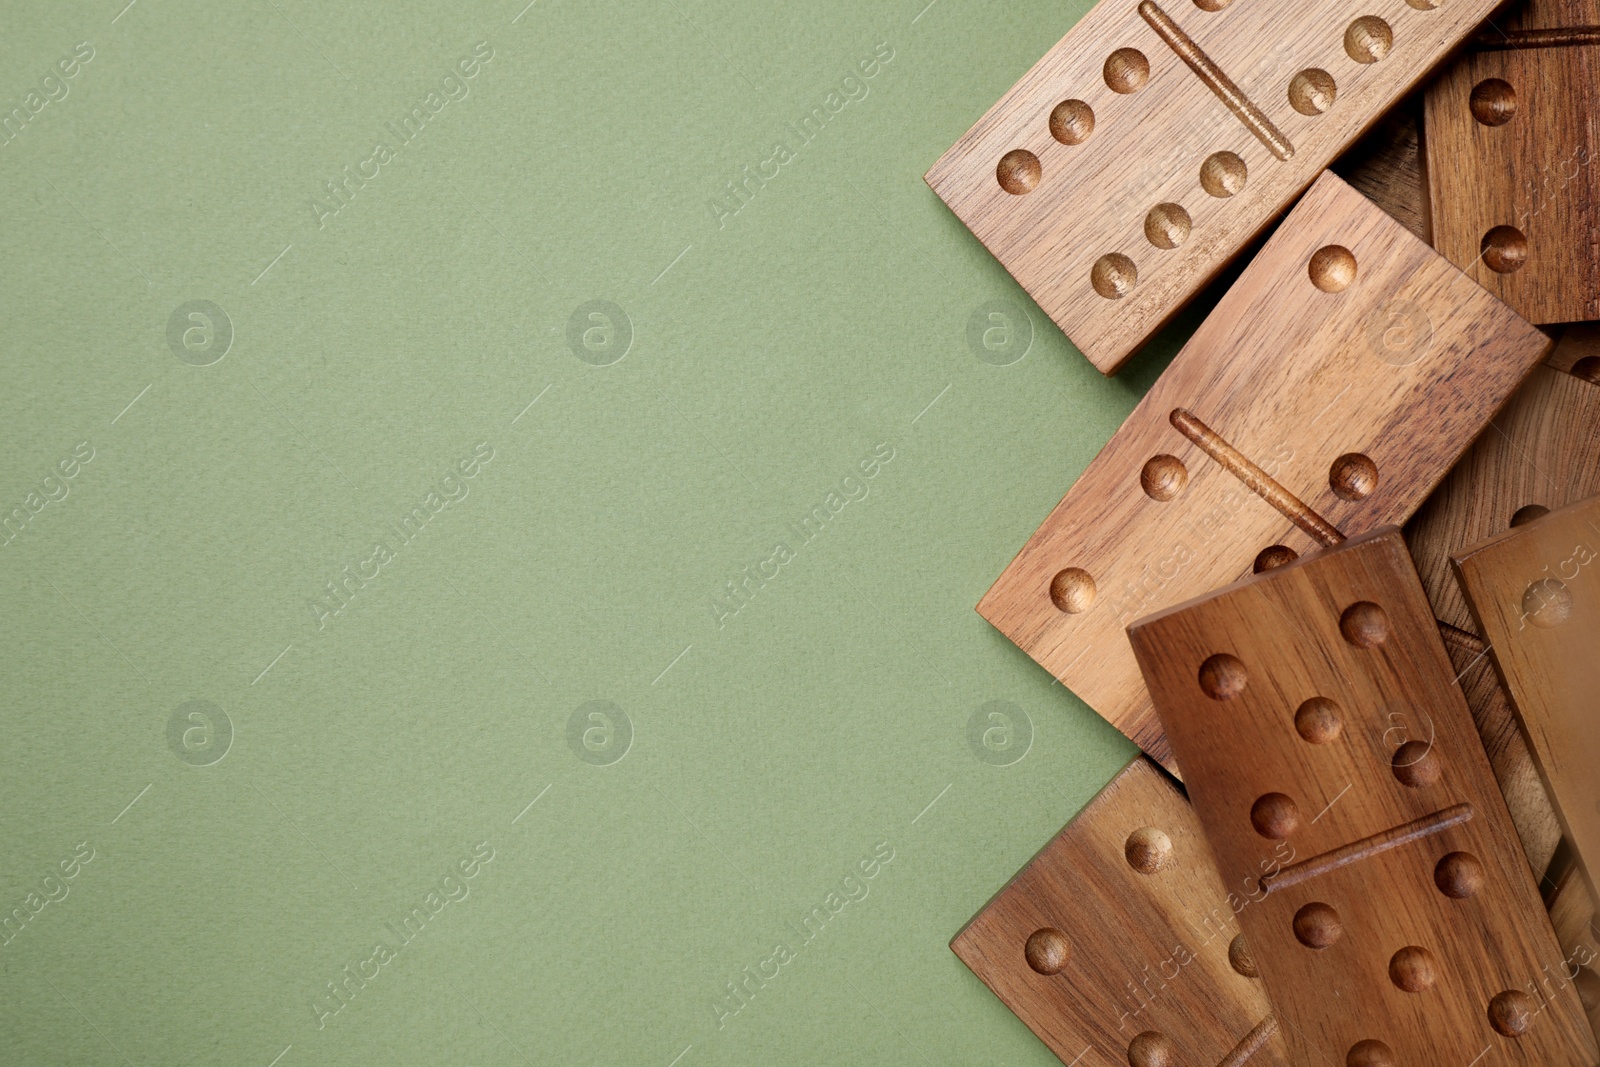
{"type": "Point", "coordinates": [1493, 102]}
{"type": "Point", "coordinates": [1073, 590]}
{"type": "Point", "coordinates": [1127, 70]}
{"type": "Point", "coordinates": [1317, 925]}
{"type": "Point", "coordinates": [1529, 512]}
{"type": "Point", "coordinates": [1547, 603]}
{"type": "Point", "coordinates": [1273, 557]}
{"type": "Point", "coordinates": [1114, 275]}
{"type": "Point", "coordinates": [1364, 624]}
{"type": "Point", "coordinates": [1587, 368]}
{"type": "Point", "coordinates": [1318, 721]}
{"type": "Point", "coordinates": [1369, 1053]}
{"type": "Point", "coordinates": [1152, 1049]}
{"type": "Point", "coordinates": [1163, 477]}
{"type": "Point", "coordinates": [1505, 249]}
{"type": "Point", "coordinates": [1332, 268]}
{"type": "Point", "coordinates": [1223, 677]}
{"type": "Point", "coordinates": [1148, 850]}
{"type": "Point", "coordinates": [1416, 764]}
{"type": "Point", "coordinates": [1511, 1013]}
{"type": "Point", "coordinates": [1240, 960]}
{"type": "Point", "coordinates": [1167, 225]}
{"type": "Point", "coordinates": [1353, 476]}
{"type": "Point", "coordinates": [1458, 875]}
{"type": "Point", "coordinates": [1413, 969]}
{"type": "Point", "coordinates": [1212, 5]}
{"type": "Point", "coordinates": [1071, 122]}
{"type": "Point", "coordinates": [1223, 174]}
{"type": "Point", "coordinates": [1424, 5]}
{"type": "Point", "coordinates": [1312, 91]}
{"type": "Point", "coordinates": [1368, 39]}
{"type": "Point", "coordinates": [1047, 950]}
{"type": "Point", "coordinates": [1018, 171]}
{"type": "Point", "coordinates": [1275, 815]}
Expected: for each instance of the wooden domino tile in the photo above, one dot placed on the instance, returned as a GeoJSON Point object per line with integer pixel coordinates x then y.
{"type": "Point", "coordinates": [1572, 913]}
{"type": "Point", "coordinates": [1513, 148]}
{"type": "Point", "coordinates": [1535, 592]}
{"type": "Point", "coordinates": [1385, 166]}
{"type": "Point", "coordinates": [1336, 381]}
{"type": "Point", "coordinates": [1507, 749]}
{"type": "Point", "coordinates": [1579, 351]}
{"type": "Point", "coordinates": [1540, 453]}
{"type": "Point", "coordinates": [1156, 139]}
{"type": "Point", "coordinates": [1315, 706]}
{"type": "Point", "coordinates": [1118, 943]}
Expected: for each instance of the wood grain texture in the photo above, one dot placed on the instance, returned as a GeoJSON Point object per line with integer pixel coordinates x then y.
{"type": "Point", "coordinates": [1523, 16]}
{"type": "Point", "coordinates": [1572, 913]}
{"type": "Point", "coordinates": [1125, 909]}
{"type": "Point", "coordinates": [1540, 453]}
{"type": "Point", "coordinates": [1513, 141]}
{"type": "Point", "coordinates": [1406, 928]}
{"type": "Point", "coordinates": [1385, 166]}
{"type": "Point", "coordinates": [1579, 351]}
{"type": "Point", "coordinates": [1535, 592]}
{"type": "Point", "coordinates": [1227, 119]}
{"type": "Point", "coordinates": [1529, 804]}
{"type": "Point", "coordinates": [1296, 379]}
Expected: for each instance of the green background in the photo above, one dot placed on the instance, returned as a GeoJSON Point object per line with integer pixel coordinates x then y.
{"type": "Point", "coordinates": [769, 352]}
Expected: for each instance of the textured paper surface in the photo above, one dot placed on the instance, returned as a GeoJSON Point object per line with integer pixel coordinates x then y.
{"type": "Point", "coordinates": [252, 790]}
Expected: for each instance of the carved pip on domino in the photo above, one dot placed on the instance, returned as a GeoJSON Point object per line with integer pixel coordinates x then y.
{"type": "Point", "coordinates": [1328, 393]}
{"type": "Point", "coordinates": [1540, 453]}
{"type": "Point", "coordinates": [1535, 592]}
{"type": "Point", "coordinates": [1315, 705]}
{"type": "Point", "coordinates": [1119, 943]}
{"type": "Point", "coordinates": [1157, 138]}
{"type": "Point", "coordinates": [1512, 146]}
